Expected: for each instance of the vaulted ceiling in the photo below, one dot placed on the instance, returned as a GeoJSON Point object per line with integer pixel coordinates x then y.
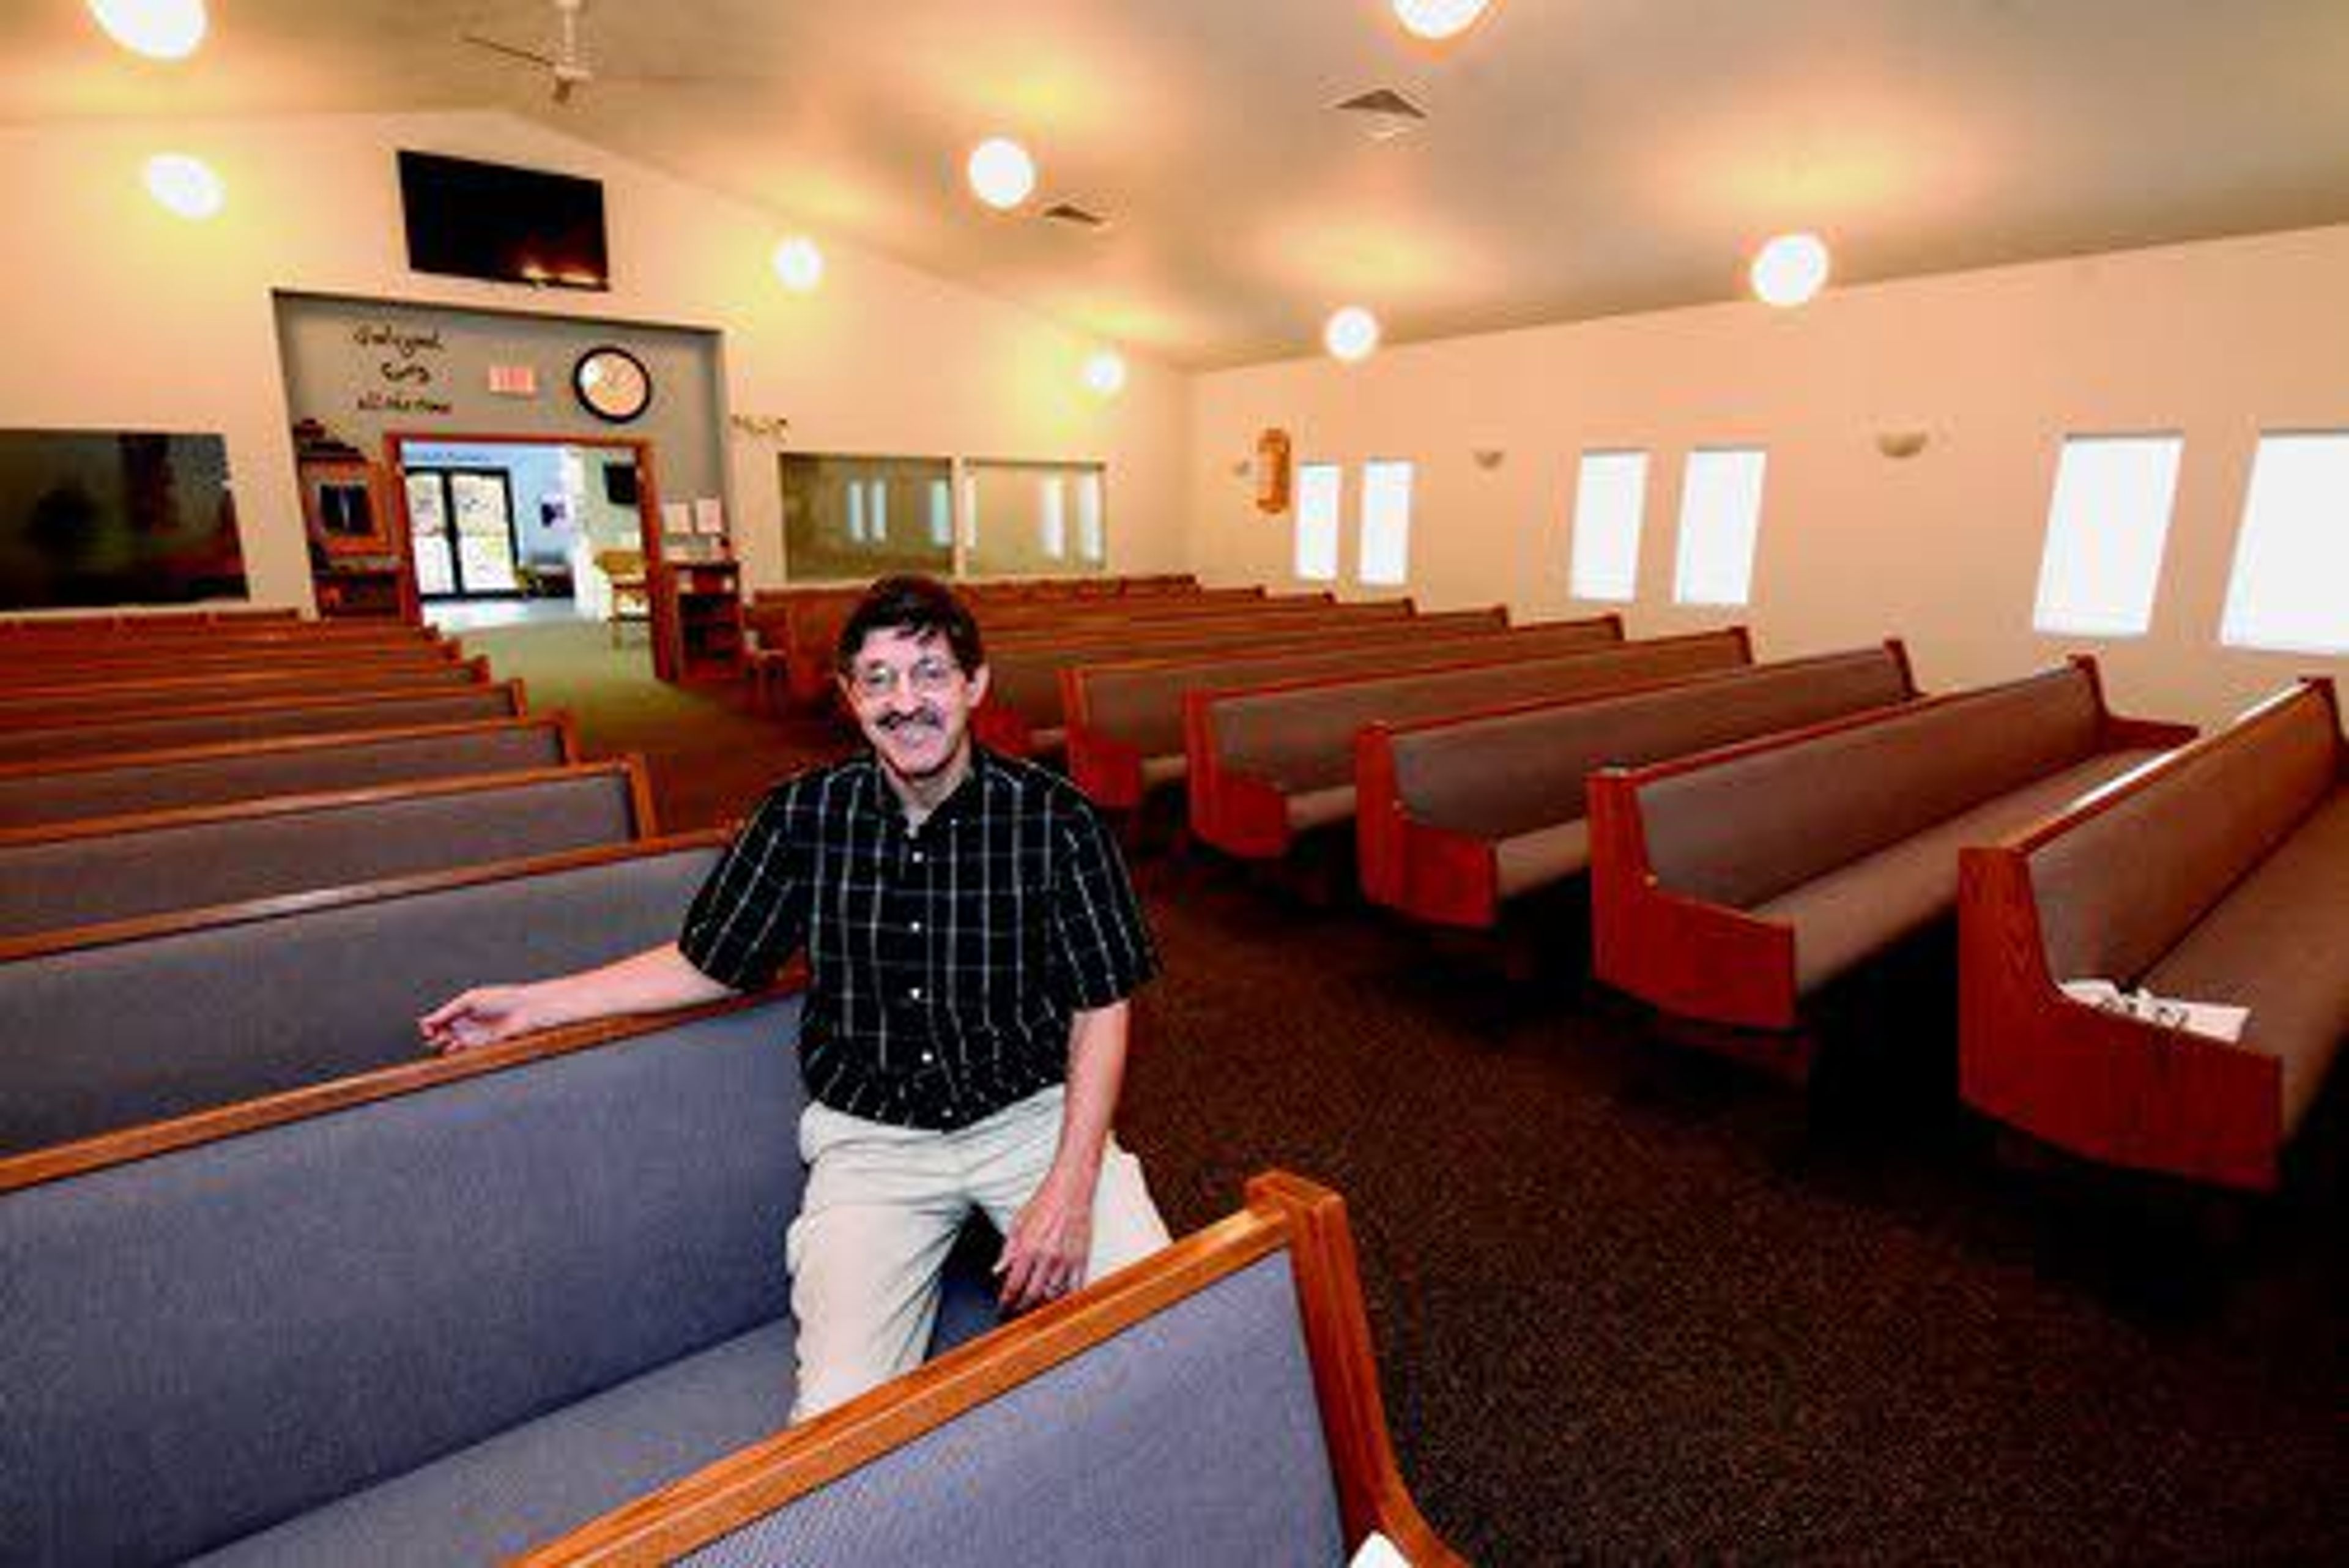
{"type": "Point", "coordinates": [1579, 158]}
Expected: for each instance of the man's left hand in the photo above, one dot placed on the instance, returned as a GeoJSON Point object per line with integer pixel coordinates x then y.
{"type": "Point", "coordinates": [1044, 1257]}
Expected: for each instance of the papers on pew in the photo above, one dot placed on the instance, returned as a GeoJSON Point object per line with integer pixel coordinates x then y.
{"type": "Point", "coordinates": [2216, 1019]}
{"type": "Point", "coordinates": [1377, 1552]}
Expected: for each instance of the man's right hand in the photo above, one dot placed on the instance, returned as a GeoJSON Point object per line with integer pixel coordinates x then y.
{"type": "Point", "coordinates": [483, 1016]}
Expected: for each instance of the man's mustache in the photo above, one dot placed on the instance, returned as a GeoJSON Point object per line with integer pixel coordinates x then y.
{"type": "Point", "coordinates": [895, 722]}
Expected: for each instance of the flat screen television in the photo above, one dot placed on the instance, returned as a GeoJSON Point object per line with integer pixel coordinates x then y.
{"type": "Point", "coordinates": [620, 483]}
{"type": "Point", "coordinates": [97, 518]}
{"type": "Point", "coordinates": [510, 225]}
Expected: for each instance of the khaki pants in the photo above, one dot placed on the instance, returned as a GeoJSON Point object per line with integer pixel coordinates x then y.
{"type": "Point", "coordinates": [882, 1207]}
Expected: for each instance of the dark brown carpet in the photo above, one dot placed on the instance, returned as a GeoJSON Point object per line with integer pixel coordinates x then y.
{"type": "Point", "coordinates": [1632, 1304]}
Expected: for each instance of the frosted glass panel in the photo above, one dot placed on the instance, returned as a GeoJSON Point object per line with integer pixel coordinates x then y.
{"type": "Point", "coordinates": [2289, 587]}
{"type": "Point", "coordinates": [1610, 499]}
{"type": "Point", "coordinates": [1318, 488]}
{"type": "Point", "coordinates": [2106, 523]}
{"type": "Point", "coordinates": [837, 510]}
{"type": "Point", "coordinates": [1017, 518]}
{"type": "Point", "coordinates": [1721, 518]}
{"type": "Point", "coordinates": [1386, 524]}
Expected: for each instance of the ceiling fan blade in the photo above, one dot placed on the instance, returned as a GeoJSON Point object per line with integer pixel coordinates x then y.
{"type": "Point", "coordinates": [510, 50]}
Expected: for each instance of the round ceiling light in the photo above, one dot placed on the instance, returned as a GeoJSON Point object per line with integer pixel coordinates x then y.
{"type": "Point", "coordinates": [1350, 334]}
{"type": "Point", "coordinates": [1439, 19]}
{"type": "Point", "coordinates": [184, 185]}
{"type": "Point", "coordinates": [160, 29]}
{"type": "Point", "coordinates": [1105, 372]}
{"type": "Point", "coordinates": [799, 264]}
{"type": "Point", "coordinates": [1001, 172]}
{"type": "Point", "coordinates": [1790, 270]}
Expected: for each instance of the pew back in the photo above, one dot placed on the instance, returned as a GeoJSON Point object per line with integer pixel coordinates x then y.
{"type": "Point", "coordinates": [28, 706]}
{"type": "Point", "coordinates": [202, 723]}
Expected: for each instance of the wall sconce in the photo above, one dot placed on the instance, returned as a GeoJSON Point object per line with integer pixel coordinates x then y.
{"type": "Point", "coordinates": [1901, 443]}
{"type": "Point", "coordinates": [1488, 457]}
{"type": "Point", "coordinates": [769, 427]}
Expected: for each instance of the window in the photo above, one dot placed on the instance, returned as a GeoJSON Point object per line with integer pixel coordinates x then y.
{"type": "Point", "coordinates": [1720, 516]}
{"type": "Point", "coordinates": [1609, 494]}
{"type": "Point", "coordinates": [2290, 586]}
{"type": "Point", "coordinates": [1017, 515]}
{"type": "Point", "coordinates": [1385, 559]}
{"type": "Point", "coordinates": [2106, 526]}
{"type": "Point", "coordinates": [836, 513]}
{"type": "Point", "coordinates": [1317, 507]}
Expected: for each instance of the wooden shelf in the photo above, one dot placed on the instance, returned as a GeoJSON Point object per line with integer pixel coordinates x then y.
{"type": "Point", "coordinates": [697, 621]}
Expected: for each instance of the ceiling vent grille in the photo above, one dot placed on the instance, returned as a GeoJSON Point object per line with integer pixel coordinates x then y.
{"type": "Point", "coordinates": [1071, 214]}
{"type": "Point", "coordinates": [1384, 113]}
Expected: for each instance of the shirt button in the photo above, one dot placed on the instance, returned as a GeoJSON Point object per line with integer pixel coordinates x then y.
{"type": "Point", "coordinates": [917, 858]}
{"type": "Point", "coordinates": [918, 925]}
{"type": "Point", "coordinates": [928, 1058]}
{"type": "Point", "coordinates": [915, 994]}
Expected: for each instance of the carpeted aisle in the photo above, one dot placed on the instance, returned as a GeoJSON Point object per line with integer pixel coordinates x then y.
{"type": "Point", "coordinates": [1634, 1306]}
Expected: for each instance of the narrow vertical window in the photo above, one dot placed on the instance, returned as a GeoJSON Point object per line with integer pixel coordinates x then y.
{"type": "Point", "coordinates": [876, 510]}
{"type": "Point", "coordinates": [1609, 496]}
{"type": "Point", "coordinates": [1317, 522]}
{"type": "Point", "coordinates": [856, 512]}
{"type": "Point", "coordinates": [1051, 517]}
{"type": "Point", "coordinates": [2290, 586]}
{"type": "Point", "coordinates": [1385, 559]}
{"type": "Point", "coordinates": [941, 515]}
{"type": "Point", "coordinates": [1721, 518]}
{"type": "Point", "coordinates": [1091, 544]}
{"type": "Point", "coordinates": [2106, 524]}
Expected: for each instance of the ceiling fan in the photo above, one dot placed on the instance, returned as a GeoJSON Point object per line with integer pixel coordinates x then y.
{"type": "Point", "coordinates": [568, 65]}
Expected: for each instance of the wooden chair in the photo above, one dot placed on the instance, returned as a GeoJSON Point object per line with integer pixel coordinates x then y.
{"type": "Point", "coordinates": [632, 594]}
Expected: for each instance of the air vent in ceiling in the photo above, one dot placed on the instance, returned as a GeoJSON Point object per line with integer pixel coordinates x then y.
{"type": "Point", "coordinates": [1070, 213]}
{"type": "Point", "coordinates": [1384, 113]}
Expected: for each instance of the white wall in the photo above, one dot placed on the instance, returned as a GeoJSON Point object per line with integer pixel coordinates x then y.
{"type": "Point", "coordinates": [116, 314]}
{"type": "Point", "coordinates": [2216, 340]}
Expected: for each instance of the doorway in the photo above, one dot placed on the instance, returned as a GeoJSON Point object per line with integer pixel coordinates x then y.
{"type": "Point", "coordinates": [460, 523]}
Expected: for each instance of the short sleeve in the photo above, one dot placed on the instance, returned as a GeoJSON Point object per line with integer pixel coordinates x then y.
{"type": "Point", "coordinates": [1100, 951]}
{"type": "Point", "coordinates": [752, 913]}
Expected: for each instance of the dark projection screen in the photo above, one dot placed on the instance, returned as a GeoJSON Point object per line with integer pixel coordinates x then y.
{"type": "Point", "coordinates": [94, 518]}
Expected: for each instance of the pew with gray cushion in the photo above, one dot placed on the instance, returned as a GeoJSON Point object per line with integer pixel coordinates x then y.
{"type": "Point", "coordinates": [1728, 887]}
{"type": "Point", "coordinates": [2218, 874]}
{"type": "Point", "coordinates": [278, 994]}
{"type": "Point", "coordinates": [30, 707]}
{"type": "Point", "coordinates": [202, 724]}
{"type": "Point", "coordinates": [1215, 1404]}
{"type": "Point", "coordinates": [115, 867]}
{"type": "Point", "coordinates": [1125, 719]}
{"type": "Point", "coordinates": [1267, 763]}
{"type": "Point", "coordinates": [80, 666]}
{"type": "Point", "coordinates": [1457, 814]}
{"type": "Point", "coordinates": [468, 1305]}
{"type": "Point", "coordinates": [69, 790]}
{"type": "Point", "coordinates": [1022, 714]}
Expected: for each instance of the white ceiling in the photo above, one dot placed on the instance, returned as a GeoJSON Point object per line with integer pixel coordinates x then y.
{"type": "Point", "coordinates": [1581, 158]}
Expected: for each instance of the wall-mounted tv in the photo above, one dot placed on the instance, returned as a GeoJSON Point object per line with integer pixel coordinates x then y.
{"type": "Point", "coordinates": [510, 225]}
{"type": "Point", "coordinates": [93, 518]}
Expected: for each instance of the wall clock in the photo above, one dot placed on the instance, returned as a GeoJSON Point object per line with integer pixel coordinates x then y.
{"type": "Point", "coordinates": [612, 384]}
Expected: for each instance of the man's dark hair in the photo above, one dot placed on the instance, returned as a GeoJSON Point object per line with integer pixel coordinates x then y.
{"type": "Point", "coordinates": [916, 605]}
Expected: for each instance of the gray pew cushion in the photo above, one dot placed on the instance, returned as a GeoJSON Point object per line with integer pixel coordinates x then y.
{"type": "Point", "coordinates": [258, 722]}
{"type": "Point", "coordinates": [1126, 1454]}
{"type": "Point", "coordinates": [1524, 861]}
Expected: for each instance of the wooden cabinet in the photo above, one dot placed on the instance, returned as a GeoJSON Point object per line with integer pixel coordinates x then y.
{"type": "Point", "coordinates": [697, 621]}
{"type": "Point", "coordinates": [358, 563]}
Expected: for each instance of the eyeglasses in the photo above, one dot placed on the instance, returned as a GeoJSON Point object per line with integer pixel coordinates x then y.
{"type": "Point", "coordinates": [924, 678]}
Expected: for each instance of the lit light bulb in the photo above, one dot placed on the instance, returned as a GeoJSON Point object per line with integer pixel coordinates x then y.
{"type": "Point", "coordinates": [1438, 19]}
{"type": "Point", "coordinates": [1001, 172]}
{"type": "Point", "coordinates": [799, 264]}
{"type": "Point", "coordinates": [1351, 333]}
{"type": "Point", "coordinates": [184, 185]}
{"type": "Point", "coordinates": [1790, 270]}
{"type": "Point", "coordinates": [159, 29]}
{"type": "Point", "coordinates": [1105, 372]}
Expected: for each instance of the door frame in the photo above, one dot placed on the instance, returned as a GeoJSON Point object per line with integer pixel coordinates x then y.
{"type": "Point", "coordinates": [648, 533]}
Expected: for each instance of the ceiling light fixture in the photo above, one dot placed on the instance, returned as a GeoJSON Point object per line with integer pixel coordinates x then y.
{"type": "Point", "coordinates": [1790, 270]}
{"type": "Point", "coordinates": [159, 29]}
{"type": "Point", "coordinates": [1439, 19]}
{"type": "Point", "coordinates": [1001, 172]}
{"type": "Point", "coordinates": [1350, 334]}
{"type": "Point", "coordinates": [1105, 372]}
{"type": "Point", "coordinates": [799, 264]}
{"type": "Point", "coordinates": [184, 185]}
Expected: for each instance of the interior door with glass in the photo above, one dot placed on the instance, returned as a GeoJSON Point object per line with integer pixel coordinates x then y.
{"type": "Point", "coordinates": [427, 535]}
{"type": "Point", "coordinates": [460, 522]}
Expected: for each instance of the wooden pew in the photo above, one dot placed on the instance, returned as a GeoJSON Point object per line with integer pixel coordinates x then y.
{"type": "Point", "coordinates": [272, 995]}
{"type": "Point", "coordinates": [440, 1312]}
{"type": "Point", "coordinates": [1458, 814]}
{"type": "Point", "coordinates": [1022, 712]}
{"type": "Point", "coordinates": [1217, 1403]}
{"type": "Point", "coordinates": [115, 785]}
{"type": "Point", "coordinates": [1268, 763]}
{"type": "Point", "coordinates": [115, 867]}
{"type": "Point", "coordinates": [199, 724]}
{"type": "Point", "coordinates": [143, 622]}
{"type": "Point", "coordinates": [34, 707]}
{"type": "Point", "coordinates": [80, 667]}
{"type": "Point", "coordinates": [1728, 887]}
{"type": "Point", "coordinates": [1124, 718]}
{"type": "Point", "coordinates": [2219, 873]}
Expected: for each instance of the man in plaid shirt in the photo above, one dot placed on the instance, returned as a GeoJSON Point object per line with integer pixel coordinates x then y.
{"type": "Point", "coordinates": [972, 940]}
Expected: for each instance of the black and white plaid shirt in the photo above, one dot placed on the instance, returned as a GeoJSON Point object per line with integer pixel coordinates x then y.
{"type": "Point", "coordinates": [947, 961]}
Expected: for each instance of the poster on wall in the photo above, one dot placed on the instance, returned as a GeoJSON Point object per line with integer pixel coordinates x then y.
{"type": "Point", "coordinates": [96, 518]}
